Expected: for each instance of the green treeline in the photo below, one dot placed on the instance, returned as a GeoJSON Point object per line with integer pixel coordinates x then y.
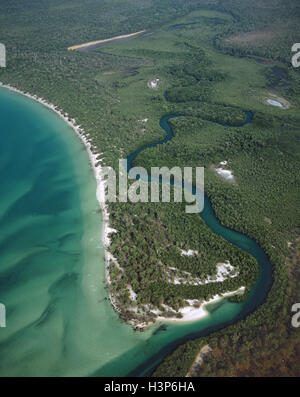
{"type": "Point", "coordinates": [108, 95]}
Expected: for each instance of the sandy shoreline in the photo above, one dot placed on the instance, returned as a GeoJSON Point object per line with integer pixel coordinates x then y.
{"type": "Point", "coordinates": [94, 160]}
{"type": "Point", "coordinates": [190, 313]}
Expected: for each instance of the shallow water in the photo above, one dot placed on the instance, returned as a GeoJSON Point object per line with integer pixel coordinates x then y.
{"type": "Point", "coordinates": [52, 266]}
{"type": "Point", "coordinates": [51, 255]}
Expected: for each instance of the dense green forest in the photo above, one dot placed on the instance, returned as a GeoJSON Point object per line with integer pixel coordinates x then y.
{"type": "Point", "coordinates": [215, 60]}
{"type": "Point", "coordinates": [263, 349]}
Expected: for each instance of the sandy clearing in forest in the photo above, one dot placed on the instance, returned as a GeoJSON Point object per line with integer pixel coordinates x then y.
{"type": "Point", "coordinates": [192, 313]}
{"type": "Point", "coordinates": [198, 360]}
{"type": "Point", "coordinates": [275, 100]}
{"type": "Point", "coordinates": [125, 36]}
{"type": "Point", "coordinates": [224, 173]}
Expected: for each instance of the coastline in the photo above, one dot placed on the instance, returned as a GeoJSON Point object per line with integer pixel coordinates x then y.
{"type": "Point", "coordinates": [97, 169]}
{"type": "Point", "coordinates": [189, 313]}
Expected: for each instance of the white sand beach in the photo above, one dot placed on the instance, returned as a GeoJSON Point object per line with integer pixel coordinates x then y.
{"type": "Point", "coordinates": [95, 159]}
{"type": "Point", "coordinates": [191, 313]}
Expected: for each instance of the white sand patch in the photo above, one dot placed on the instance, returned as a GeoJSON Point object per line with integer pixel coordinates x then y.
{"type": "Point", "coordinates": [132, 294]}
{"type": "Point", "coordinates": [156, 311]}
{"type": "Point", "coordinates": [112, 39]}
{"type": "Point", "coordinates": [223, 171]}
{"type": "Point", "coordinates": [226, 174]}
{"type": "Point", "coordinates": [275, 100]}
{"type": "Point", "coordinates": [95, 160]}
{"type": "Point", "coordinates": [198, 360]}
{"type": "Point", "coordinates": [275, 103]}
{"type": "Point", "coordinates": [109, 230]}
{"type": "Point", "coordinates": [223, 272]}
{"type": "Point", "coordinates": [190, 313]}
{"type": "Point", "coordinates": [189, 252]}
{"type": "Point", "coordinates": [144, 121]}
{"type": "Point", "coordinates": [153, 83]}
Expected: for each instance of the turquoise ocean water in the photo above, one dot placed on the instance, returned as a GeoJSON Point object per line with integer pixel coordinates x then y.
{"type": "Point", "coordinates": [51, 255]}
{"type": "Point", "coordinates": [52, 269]}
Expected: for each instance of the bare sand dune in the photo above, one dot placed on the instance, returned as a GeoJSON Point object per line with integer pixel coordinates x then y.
{"type": "Point", "coordinates": [99, 42]}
